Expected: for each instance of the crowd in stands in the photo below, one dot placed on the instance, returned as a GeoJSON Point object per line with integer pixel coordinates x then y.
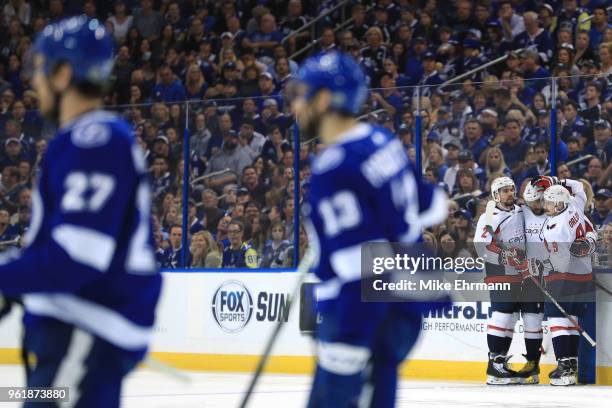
{"type": "Point", "coordinates": [221, 68]}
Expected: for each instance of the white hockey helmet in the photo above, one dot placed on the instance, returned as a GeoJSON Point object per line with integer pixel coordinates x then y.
{"type": "Point", "coordinates": [532, 193]}
{"type": "Point", "coordinates": [498, 184]}
{"type": "Point", "coordinates": [557, 194]}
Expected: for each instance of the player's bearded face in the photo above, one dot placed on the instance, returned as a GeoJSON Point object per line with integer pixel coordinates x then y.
{"type": "Point", "coordinates": [536, 206]}
{"type": "Point", "coordinates": [506, 196]}
{"type": "Point", "coordinates": [40, 82]}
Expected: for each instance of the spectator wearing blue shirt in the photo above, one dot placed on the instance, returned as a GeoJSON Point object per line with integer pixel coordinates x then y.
{"type": "Point", "coordinates": [431, 77]}
{"type": "Point", "coordinates": [535, 38]}
{"type": "Point", "coordinates": [473, 140]}
{"type": "Point", "coordinates": [573, 125]}
{"type": "Point", "coordinates": [496, 44]}
{"type": "Point", "coordinates": [413, 67]}
{"type": "Point", "coordinates": [376, 51]}
{"type": "Point", "coordinates": [271, 116]}
{"type": "Point", "coordinates": [599, 24]}
{"type": "Point", "coordinates": [524, 93]}
{"type": "Point", "coordinates": [13, 153]}
{"type": "Point", "coordinates": [267, 90]}
{"type": "Point", "coordinates": [265, 39]}
{"type": "Point", "coordinates": [515, 149]}
{"type": "Point", "coordinates": [539, 132]}
{"type": "Point", "coordinates": [388, 97]}
{"type": "Point", "coordinates": [592, 99]}
{"type": "Point", "coordinates": [168, 89]}
{"type": "Point", "coordinates": [472, 58]}
{"type": "Point", "coordinates": [171, 258]}
{"type": "Point", "coordinates": [535, 75]}
{"type": "Point", "coordinates": [575, 152]}
{"type": "Point", "coordinates": [603, 203]}
{"type": "Point", "coordinates": [602, 143]}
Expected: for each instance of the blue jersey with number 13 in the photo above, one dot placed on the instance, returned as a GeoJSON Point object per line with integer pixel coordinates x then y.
{"type": "Point", "coordinates": [363, 189]}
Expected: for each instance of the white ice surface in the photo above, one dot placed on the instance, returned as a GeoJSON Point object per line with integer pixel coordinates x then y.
{"type": "Point", "coordinates": [148, 389]}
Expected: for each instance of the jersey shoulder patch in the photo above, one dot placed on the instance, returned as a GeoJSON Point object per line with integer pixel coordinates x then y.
{"type": "Point", "coordinates": [91, 135]}
{"type": "Point", "coordinates": [330, 158]}
{"type": "Point", "coordinates": [96, 129]}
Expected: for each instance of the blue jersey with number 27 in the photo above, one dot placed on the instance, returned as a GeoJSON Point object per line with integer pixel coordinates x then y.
{"type": "Point", "coordinates": [363, 189]}
{"type": "Point", "coordinates": [89, 258]}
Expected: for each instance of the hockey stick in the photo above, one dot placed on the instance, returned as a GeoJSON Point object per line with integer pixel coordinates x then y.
{"type": "Point", "coordinates": [602, 286]}
{"type": "Point", "coordinates": [302, 271]}
{"type": "Point", "coordinates": [488, 219]}
{"type": "Point", "coordinates": [163, 368]}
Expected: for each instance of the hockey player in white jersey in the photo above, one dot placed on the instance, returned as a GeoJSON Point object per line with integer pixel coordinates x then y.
{"type": "Point", "coordinates": [532, 315]}
{"type": "Point", "coordinates": [570, 280]}
{"type": "Point", "coordinates": [503, 263]}
{"type": "Point", "coordinates": [584, 245]}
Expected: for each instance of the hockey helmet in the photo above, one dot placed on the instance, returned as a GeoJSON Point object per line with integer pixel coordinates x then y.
{"type": "Point", "coordinates": [498, 184]}
{"type": "Point", "coordinates": [81, 42]}
{"type": "Point", "coordinates": [532, 193]}
{"type": "Point", "coordinates": [341, 75]}
{"type": "Point", "coordinates": [556, 195]}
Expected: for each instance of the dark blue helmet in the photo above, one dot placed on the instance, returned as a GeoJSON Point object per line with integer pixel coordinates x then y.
{"type": "Point", "coordinates": [82, 43]}
{"type": "Point", "coordinates": [341, 75]}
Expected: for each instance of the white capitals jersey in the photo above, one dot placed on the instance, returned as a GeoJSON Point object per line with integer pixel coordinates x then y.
{"type": "Point", "coordinates": [579, 198]}
{"type": "Point", "coordinates": [533, 228]}
{"type": "Point", "coordinates": [558, 234]}
{"type": "Point", "coordinates": [508, 228]}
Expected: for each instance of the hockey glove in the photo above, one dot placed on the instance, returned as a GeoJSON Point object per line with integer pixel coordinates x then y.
{"type": "Point", "coordinates": [582, 247]}
{"type": "Point", "coordinates": [544, 182]}
{"type": "Point", "coordinates": [527, 268]}
{"type": "Point", "coordinates": [512, 257]}
{"type": "Point", "coordinates": [534, 267]}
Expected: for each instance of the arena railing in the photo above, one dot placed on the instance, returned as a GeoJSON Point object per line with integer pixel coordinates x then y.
{"type": "Point", "coordinates": [416, 109]}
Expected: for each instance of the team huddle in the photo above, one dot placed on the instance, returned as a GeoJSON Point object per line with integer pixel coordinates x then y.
{"type": "Point", "coordinates": [544, 243]}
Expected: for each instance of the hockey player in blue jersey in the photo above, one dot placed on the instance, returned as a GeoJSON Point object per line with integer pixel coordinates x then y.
{"type": "Point", "coordinates": [362, 189]}
{"type": "Point", "coordinates": [87, 273]}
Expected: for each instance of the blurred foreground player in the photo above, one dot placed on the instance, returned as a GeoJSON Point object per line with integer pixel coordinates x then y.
{"type": "Point", "coordinates": [362, 189]}
{"type": "Point", "coordinates": [88, 271]}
